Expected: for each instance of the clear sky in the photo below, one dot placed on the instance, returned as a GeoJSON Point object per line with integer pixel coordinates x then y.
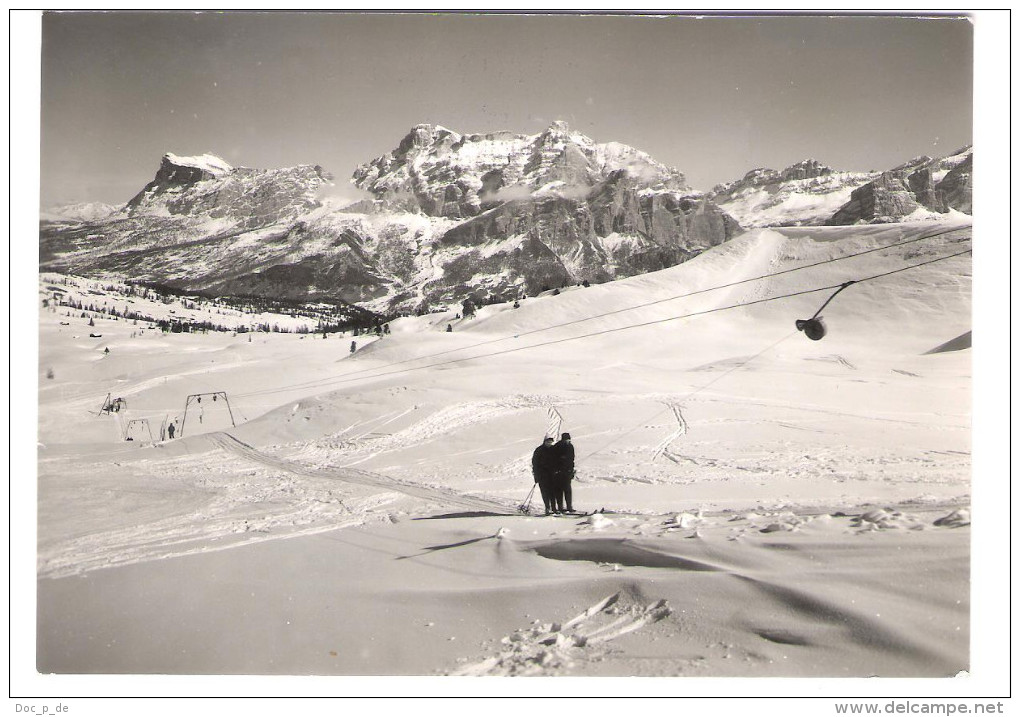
{"type": "Point", "coordinates": [713, 97]}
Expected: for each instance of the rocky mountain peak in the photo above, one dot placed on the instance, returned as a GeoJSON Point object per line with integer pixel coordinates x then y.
{"type": "Point", "coordinates": [806, 169]}
{"type": "Point", "coordinates": [423, 136]}
{"type": "Point", "coordinates": [558, 131]}
{"type": "Point", "coordinates": [207, 186]}
{"type": "Point", "coordinates": [442, 173]}
{"type": "Point", "coordinates": [764, 176]}
{"type": "Point", "coordinates": [910, 165]}
{"type": "Point", "coordinates": [915, 188]}
{"type": "Point", "coordinates": [485, 215]}
{"type": "Point", "coordinates": [175, 170]}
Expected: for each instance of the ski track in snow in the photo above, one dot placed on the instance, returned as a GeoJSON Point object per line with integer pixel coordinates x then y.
{"type": "Point", "coordinates": [235, 508]}
{"type": "Point", "coordinates": [216, 527]}
{"type": "Point", "coordinates": [287, 508]}
{"type": "Point", "coordinates": [445, 421]}
{"type": "Point", "coordinates": [297, 513]}
{"type": "Point", "coordinates": [772, 460]}
{"type": "Point", "coordinates": [358, 477]}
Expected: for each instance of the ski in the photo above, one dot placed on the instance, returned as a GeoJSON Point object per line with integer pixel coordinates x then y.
{"type": "Point", "coordinates": [570, 513]}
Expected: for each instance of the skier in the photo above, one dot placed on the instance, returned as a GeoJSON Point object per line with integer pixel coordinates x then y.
{"type": "Point", "coordinates": [563, 473]}
{"type": "Point", "coordinates": [354, 346]}
{"type": "Point", "coordinates": [541, 468]}
{"type": "Point", "coordinates": [170, 429]}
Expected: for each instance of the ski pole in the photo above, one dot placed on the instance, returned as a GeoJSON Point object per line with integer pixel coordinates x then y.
{"type": "Point", "coordinates": [523, 507]}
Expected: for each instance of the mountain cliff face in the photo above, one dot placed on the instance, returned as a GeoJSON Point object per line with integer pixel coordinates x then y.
{"type": "Point", "coordinates": [956, 186]}
{"type": "Point", "coordinates": [486, 216]}
{"type": "Point", "coordinates": [207, 186]}
{"type": "Point", "coordinates": [539, 211]}
{"type": "Point", "coordinates": [442, 173]}
{"type": "Point", "coordinates": [917, 188]}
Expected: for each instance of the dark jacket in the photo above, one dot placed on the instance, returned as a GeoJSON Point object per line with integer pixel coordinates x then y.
{"type": "Point", "coordinates": [563, 460]}
{"type": "Point", "coordinates": [543, 463]}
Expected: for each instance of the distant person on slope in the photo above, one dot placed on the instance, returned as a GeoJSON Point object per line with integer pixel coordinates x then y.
{"type": "Point", "coordinates": [563, 473]}
{"type": "Point", "coordinates": [542, 469]}
{"type": "Point", "coordinates": [170, 429]}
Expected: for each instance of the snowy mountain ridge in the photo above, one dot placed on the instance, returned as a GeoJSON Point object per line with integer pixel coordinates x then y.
{"type": "Point", "coordinates": [921, 187]}
{"type": "Point", "coordinates": [489, 217]}
{"type": "Point", "coordinates": [248, 198]}
{"type": "Point", "coordinates": [443, 173]}
{"type": "Point", "coordinates": [805, 193]}
{"type": "Point", "coordinates": [79, 212]}
{"type": "Point", "coordinates": [810, 193]}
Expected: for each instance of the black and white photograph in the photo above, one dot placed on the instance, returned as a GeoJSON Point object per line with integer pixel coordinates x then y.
{"type": "Point", "coordinates": [455, 344]}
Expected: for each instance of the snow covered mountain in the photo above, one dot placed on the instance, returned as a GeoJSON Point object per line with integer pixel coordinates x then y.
{"type": "Point", "coordinates": [245, 198]}
{"type": "Point", "coordinates": [543, 210]}
{"type": "Point", "coordinates": [918, 189]}
{"type": "Point", "coordinates": [810, 193]}
{"type": "Point", "coordinates": [806, 193]}
{"type": "Point", "coordinates": [441, 173]}
{"type": "Point", "coordinates": [454, 216]}
{"type": "Point", "coordinates": [487, 216]}
{"type": "Point", "coordinates": [79, 212]}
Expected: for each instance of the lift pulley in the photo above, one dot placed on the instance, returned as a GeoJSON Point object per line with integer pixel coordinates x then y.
{"type": "Point", "coordinates": [814, 328]}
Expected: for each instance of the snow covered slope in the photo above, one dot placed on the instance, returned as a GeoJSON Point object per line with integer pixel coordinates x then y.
{"type": "Point", "coordinates": [591, 351]}
{"type": "Point", "coordinates": [805, 467]}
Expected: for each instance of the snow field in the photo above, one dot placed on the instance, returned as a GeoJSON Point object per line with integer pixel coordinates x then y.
{"type": "Point", "coordinates": [810, 473]}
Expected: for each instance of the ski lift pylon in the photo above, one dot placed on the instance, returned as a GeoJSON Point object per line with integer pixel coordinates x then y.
{"type": "Point", "coordinates": [197, 397]}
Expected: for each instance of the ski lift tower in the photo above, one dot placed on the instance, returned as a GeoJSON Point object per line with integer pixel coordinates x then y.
{"type": "Point", "coordinates": [197, 398]}
{"type": "Point", "coordinates": [140, 421]}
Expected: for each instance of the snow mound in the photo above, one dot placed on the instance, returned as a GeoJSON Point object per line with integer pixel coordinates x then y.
{"type": "Point", "coordinates": [956, 519]}
{"type": "Point", "coordinates": [598, 522]}
{"type": "Point", "coordinates": [782, 526]}
{"type": "Point", "coordinates": [683, 520]}
{"type": "Point", "coordinates": [886, 519]}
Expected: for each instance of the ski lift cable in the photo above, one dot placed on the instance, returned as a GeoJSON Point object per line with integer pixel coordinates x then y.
{"type": "Point", "coordinates": [657, 301]}
{"type": "Point", "coordinates": [313, 384]}
{"type": "Point", "coordinates": [747, 361]}
{"type": "Point", "coordinates": [348, 378]}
